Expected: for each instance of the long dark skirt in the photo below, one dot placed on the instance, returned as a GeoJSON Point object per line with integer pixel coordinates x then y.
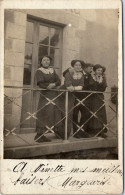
{"type": "Point", "coordinates": [83, 108]}
{"type": "Point", "coordinates": [48, 113]}
{"type": "Point", "coordinates": [97, 122]}
{"type": "Point", "coordinates": [62, 104]}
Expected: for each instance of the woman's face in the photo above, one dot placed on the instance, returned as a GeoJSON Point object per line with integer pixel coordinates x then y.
{"type": "Point", "coordinates": [45, 62]}
{"type": "Point", "coordinates": [77, 66]}
{"type": "Point", "coordinates": [99, 71]}
{"type": "Point", "coordinates": [89, 69]}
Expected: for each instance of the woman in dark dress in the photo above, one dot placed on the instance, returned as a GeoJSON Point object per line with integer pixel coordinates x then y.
{"type": "Point", "coordinates": [47, 115]}
{"type": "Point", "coordinates": [97, 82]}
{"type": "Point", "coordinates": [74, 81]}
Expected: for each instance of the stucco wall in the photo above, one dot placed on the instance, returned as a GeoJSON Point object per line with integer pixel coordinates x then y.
{"type": "Point", "coordinates": [100, 43]}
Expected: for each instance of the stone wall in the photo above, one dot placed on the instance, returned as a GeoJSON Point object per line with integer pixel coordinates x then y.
{"type": "Point", "coordinates": [14, 45]}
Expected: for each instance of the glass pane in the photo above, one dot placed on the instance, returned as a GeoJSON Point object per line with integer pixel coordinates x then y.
{"type": "Point", "coordinates": [27, 74]}
{"type": "Point", "coordinates": [43, 50]}
{"type": "Point", "coordinates": [55, 55]}
{"type": "Point", "coordinates": [29, 32]}
{"type": "Point", "coordinates": [55, 37]}
{"type": "Point", "coordinates": [44, 35]}
{"type": "Point", "coordinates": [28, 53]}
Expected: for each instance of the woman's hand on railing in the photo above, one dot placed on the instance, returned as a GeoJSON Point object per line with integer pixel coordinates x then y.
{"type": "Point", "coordinates": [78, 88]}
{"type": "Point", "coordinates": [51, 86]}
{"type": "Point", "coordinates": [57, 89]}
{"type": "Point", "coordinates": [70, 88]}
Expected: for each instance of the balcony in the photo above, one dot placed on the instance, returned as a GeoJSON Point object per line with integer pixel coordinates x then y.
{"type": "Point", "coordinates": [20, 114]}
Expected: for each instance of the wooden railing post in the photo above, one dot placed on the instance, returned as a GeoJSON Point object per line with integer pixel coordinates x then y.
{"type": "Point", "coordinates": [66, 113]}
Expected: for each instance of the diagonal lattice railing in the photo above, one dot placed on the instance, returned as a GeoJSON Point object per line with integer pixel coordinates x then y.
{"type": "Point", "coordinates": [94, 114]}
{"type": "Point", "coordinates": [33, 115]}
{"type": "Point", "coordinates": [61, 102]}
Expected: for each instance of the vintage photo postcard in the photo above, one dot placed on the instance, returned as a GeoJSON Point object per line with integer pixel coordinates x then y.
{"type": "Point", "coordinates": [61, 97]}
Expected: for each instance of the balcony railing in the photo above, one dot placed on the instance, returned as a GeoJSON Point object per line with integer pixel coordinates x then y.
{"type": "Point", "coordinates": [21, 110]}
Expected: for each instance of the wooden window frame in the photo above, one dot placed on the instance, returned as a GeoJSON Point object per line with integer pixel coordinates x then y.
{"type": "Point", "coordinates": [34, 64]}
{"type": "Point", "coordinates": [35, 45]}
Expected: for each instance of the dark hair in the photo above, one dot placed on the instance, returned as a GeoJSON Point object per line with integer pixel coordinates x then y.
{"type": "Point", "coordinates": [99, 66]}
{"type": "Point", "coordinates": [74, 61]}
{"type": "Point", "coordinates": [88, 65]}
{"type": "Point", "coordinates": [46, 57]}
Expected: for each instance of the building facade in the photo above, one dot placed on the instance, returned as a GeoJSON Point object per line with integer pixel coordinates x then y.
{"type": "Point", "coordinates": [89, 35]}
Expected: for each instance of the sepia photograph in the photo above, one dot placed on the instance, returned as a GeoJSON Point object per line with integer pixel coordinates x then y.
{"type": "Point", "coordinates": [61, 84]}
{"type": "Point", "coordinates": [62, 97]}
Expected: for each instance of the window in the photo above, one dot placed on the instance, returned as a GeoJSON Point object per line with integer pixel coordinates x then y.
{"type": "Point", "coordinates": [41, 39]}
{"type": "Point", "coordinates": [28, 53]}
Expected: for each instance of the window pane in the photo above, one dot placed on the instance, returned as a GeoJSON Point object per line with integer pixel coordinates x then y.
{"type": "Point", "coordinates": [55, 55]}
{"type": "Point", "coordinates": [43, 50]}
{"type": "Point", "coordinates": [55, 37]}
{"type": "Point", "coordinates": [44, 35]}
{"type": "Point", "coordinates": [27, 74]}
{"type": "Point", "coordinates": [29, 32]}
{"type": "Point", "coordinates": [28, 53]}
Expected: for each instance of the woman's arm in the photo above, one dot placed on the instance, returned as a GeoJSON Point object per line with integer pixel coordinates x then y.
{"type": "Point", "coordinates": [40, 80]}
{"type": "Point", "coordinates": [68, 83]}
{"type": "Point", "coordinates": [68, 80]}
{"type": "Point", "coordinates": [102, 86]}
{"type": "Point", "coordinates": [81, 84]}
{"type": "Point", "coordinates": [57, 80]}
{"type": "Point", "coordinates": [43, 85]}
{"type": "Point", "coordinates": [78, 88]}
{"type": "Point", "coordinates": [96, 86]}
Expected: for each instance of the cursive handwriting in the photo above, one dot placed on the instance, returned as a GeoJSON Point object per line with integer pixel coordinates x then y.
{"type": "Point", "coordinates": [40, 168]}
{"type": "Point", "coordinates": [62, 177]}
{"type": "Point", "coordinates": [23, 179]}
{"type": "Point", "coordinates": [71, 182]}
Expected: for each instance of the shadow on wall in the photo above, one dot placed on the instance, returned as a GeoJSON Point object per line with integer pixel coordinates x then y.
{"type": "Point", "coordinates": [99, 44]}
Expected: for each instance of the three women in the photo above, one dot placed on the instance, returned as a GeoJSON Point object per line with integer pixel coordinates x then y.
{"type": "Point", "coordinates": [48, 114]}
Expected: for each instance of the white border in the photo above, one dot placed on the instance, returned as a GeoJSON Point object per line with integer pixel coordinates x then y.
{"type": "Point", "coordinates": [62, 4]}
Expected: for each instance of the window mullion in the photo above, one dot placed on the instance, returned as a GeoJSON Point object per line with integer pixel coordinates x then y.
{"type": "Point", "coordinates": [35, 51]}
{"type": "Point", "coordinates": [49, 41]}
